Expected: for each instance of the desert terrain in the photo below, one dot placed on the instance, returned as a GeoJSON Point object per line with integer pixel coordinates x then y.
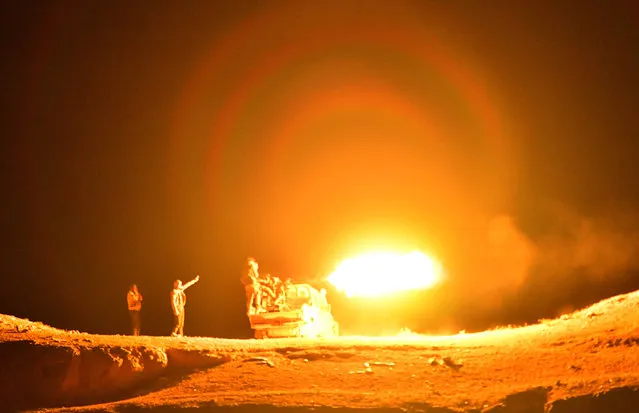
{"type": "Point", "coordinates": [586, 361]}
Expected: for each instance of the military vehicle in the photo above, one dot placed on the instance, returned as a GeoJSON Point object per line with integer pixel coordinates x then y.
{"type": "Point", "coordinates": [302, 311]}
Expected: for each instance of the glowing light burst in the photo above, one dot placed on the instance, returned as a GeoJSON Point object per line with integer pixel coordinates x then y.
{"type": "Point", "coordinates": [382, 273]}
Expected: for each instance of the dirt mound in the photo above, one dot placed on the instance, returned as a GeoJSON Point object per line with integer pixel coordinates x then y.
{"type": "Point", "coordinates": [623, 399]}
{"type": "Point", "coordinates": [36, 375]}
{"type": "Point", "coordinates": [43, 366]}
{"type": "Point", "coordinates": [43, 375]}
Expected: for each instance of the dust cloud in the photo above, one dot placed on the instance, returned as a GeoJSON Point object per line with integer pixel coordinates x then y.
{"type": "Point", "coordinates": [600, 247]}
{"type": "Point", "coordinates": [572, 258]}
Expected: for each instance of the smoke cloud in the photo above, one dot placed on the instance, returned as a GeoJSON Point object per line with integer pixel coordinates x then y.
{"type": "Point", "coordinates": [504, 266]}
{"type": "Point", "coordinates": [599, 247]}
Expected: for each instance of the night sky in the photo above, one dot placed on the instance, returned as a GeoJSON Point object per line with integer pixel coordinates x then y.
{"type": "Point", "coordinates": [152, 140]}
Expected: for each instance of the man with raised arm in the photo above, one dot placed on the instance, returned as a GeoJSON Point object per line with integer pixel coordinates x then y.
{"type": "Point", "coordinates": [178, 301]}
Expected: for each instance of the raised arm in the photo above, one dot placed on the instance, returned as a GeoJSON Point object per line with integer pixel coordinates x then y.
{"type": "Point", "coordinates": [190, 283]}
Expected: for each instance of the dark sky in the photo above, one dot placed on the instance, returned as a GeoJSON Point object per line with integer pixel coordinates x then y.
{"type": "Point", "coordinates": [153, 140]}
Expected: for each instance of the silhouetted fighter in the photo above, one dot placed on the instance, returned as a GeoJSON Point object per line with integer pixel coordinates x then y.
{"type": "Point", "coordinates": [251, 285]}
{"type": "Point", "coordinates": [134, 304]}
{"type": "Point", "coordinates": [178, 302]}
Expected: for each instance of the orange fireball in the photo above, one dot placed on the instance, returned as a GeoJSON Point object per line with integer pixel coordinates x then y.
{"type": "Point", "coordinates": [381, 273]}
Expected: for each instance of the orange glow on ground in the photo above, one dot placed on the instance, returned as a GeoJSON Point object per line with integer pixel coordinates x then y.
{"type": "Point", "coordinates": [381, 273]}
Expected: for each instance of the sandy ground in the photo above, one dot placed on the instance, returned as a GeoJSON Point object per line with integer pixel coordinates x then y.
{"type": "Point", "coordinates": [587, 361]}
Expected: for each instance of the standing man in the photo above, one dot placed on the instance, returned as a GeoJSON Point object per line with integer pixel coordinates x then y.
{"type": "Point", "coordinates": [178, 301]}
{"type": "Point", "coordinates": [251, 285]}
{"type": "Point", "coordinates": [134, 303]}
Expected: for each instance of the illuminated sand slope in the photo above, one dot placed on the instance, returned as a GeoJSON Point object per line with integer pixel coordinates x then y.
{"type": "Point", "coordinates": [584, 362]}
